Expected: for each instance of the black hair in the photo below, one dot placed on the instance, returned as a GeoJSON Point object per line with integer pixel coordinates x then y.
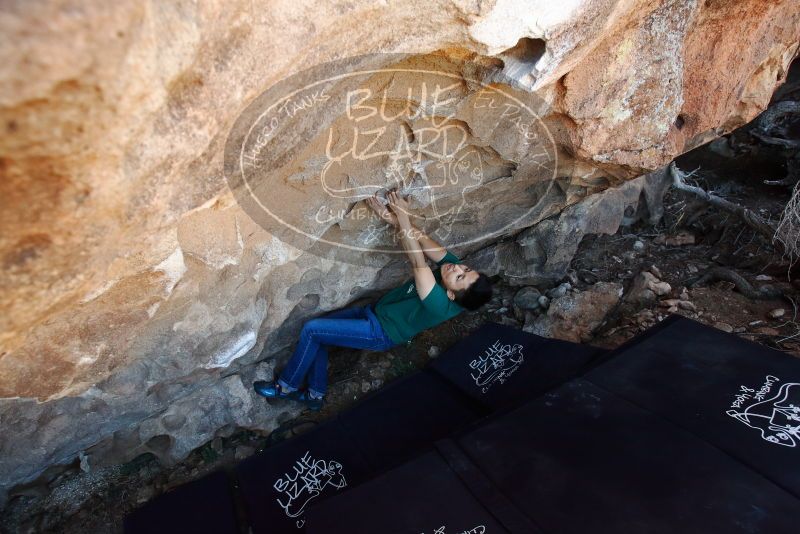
{"type": "Point", "coordinates": [476, 295]}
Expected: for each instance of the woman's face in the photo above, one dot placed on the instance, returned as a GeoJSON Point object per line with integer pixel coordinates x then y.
{"type": "Point", "coordinates": [457, 276]}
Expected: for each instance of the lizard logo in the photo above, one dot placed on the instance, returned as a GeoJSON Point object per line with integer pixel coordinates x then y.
{"type": "Point", "coordinates": [305, 155]}
{"type": "Point", "coordinates": [775, 417]}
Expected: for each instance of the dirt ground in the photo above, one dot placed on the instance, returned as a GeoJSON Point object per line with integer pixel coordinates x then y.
{"type": "Point", "coordinates": [713, 239]}
{"type": "Point", "coordinates": [691, 239]}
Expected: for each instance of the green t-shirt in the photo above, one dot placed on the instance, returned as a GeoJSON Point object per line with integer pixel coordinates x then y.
{"type": "Point", "coordinates": [403, 314]}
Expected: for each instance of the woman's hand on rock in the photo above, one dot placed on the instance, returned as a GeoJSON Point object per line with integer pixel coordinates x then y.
{"type": "Point", "coordinates": [398, 205]}
{"type": "Point", "coordinates": [381, 211]}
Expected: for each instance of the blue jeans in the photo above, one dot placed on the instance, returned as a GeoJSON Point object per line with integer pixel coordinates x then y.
{"type": "Point", "coordinates": [356, 328]}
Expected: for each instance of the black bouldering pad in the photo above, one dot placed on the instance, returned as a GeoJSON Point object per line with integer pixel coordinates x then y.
{"type": "Point", "coordinates": [580, 459]}
{"type": "Point", "coordinates": [423, 496]}
{"type": "Point", "coordinates": [278, 484]}
{"type": "Point", "coordinates": [499, 366]}
{"type": "Point", "coordinates": [740, 396]}
{"type": "Point", "coordinates": [204, 506]}
{"type": "Point", "coordinates": [406, 417]}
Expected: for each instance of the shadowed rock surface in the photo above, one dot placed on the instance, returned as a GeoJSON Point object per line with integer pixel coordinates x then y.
{"type": "Point", "coordinates": [138, 300]}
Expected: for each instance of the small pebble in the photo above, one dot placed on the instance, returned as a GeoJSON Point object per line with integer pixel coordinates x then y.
{"type": "Point", "coordinates": [560, 291]}
{"type": "Point", "coordinates": [527, 298]}
{"type": "Point", "coordinates": [145, 494]}
{"type": "Point", "coordinates": [243, 451]}
{"type": "Point", "coordinates": [544, 302]}
{"type": "Point", "coordinates": [656, 271]}
{"type": "Point", "coordinates": [84, 462]}
{"type": "Point", "coordinates": [638, 246]}
{"type": "Point", "coordinates": [763, 277]}
{"type": "Point", "coordinates": [725, 327]}
{"type": "Point", "coordinates": [659, 288]}
{"type": "Point", "coordinates": [777, 313]}
{"type": "Point", "coordinates": [433, 351]}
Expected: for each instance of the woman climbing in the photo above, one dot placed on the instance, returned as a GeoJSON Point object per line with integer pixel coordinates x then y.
{"type": "Point", "coordinates": [430, 298]}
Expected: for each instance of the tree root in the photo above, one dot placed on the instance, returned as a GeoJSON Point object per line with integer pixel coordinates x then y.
{"type": "Point", "coordinates": [772, 126]}
{"type": "Point", "coordinates": [789, 144]}
{"type": "Point", "coordinates": [758, 223]}
{"type": "Point", "coordinates": [745, 288]}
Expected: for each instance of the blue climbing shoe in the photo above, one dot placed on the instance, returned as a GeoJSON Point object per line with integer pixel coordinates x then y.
{"type": "Point", "coordinates": [313, 404]}
{"type": "Point", "coordinates": [273, 390]}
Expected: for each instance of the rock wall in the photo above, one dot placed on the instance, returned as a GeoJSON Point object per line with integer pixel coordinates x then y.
{"type": "Point", "coordinates": [136, 291]}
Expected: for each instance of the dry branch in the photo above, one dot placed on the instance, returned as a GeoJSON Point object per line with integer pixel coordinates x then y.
{"type": "Point", "coordinates": [761, 225]}
{"type": "Point", "coordinates": [770, 140]}
{"type": "Point", "coordinates": [745, 288]}
{"type": "Point", "coordinates": [788, 231]}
